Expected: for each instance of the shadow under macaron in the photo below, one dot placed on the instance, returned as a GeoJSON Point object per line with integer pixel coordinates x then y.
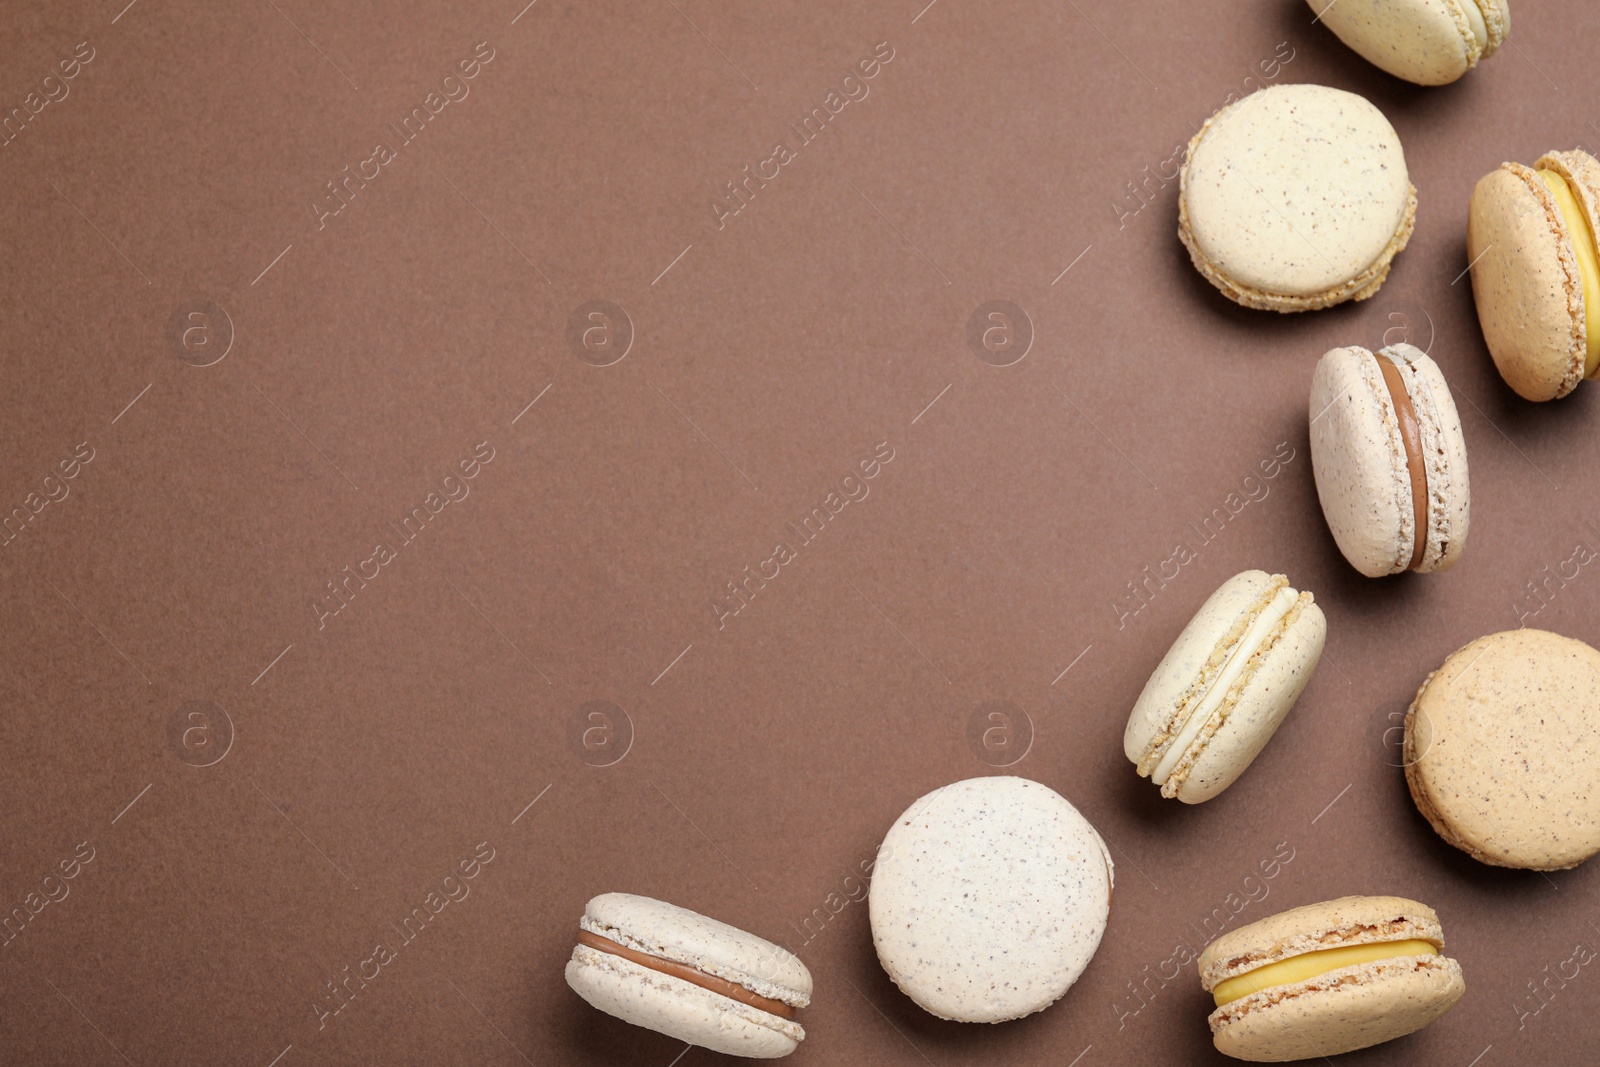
{"type": "Point", "coordinates": [1322, 58]}
{"type": "Point", "coordinates": [1294, 331]}
{"type": "Point", "coordinates": [1008, 1041]}
{"type": "Point", "coordinates": [1492, 412]}
{"type": "Point", "coordinates": [1503, 884]}
{"type": "Point", "coordinates": [596, 1037]}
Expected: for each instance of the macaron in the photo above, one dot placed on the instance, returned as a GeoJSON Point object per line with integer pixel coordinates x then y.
{"type": "Point", "coordinates": [1389, 459]}
{"type": "Point", "coordinates": [1502, 750]}
{"type": "Point", "coordinates": [1224, 687]}
{"type": "Point", "coordinates": [677, 972]}
{"type": "Point", "coordinates": [1429, 42]}
{"type": "Point", "coordinates": [989, 899]}
{"type": "Point", "coordinates": [1328, 978]}
{"type": "Point", "coordinates": [1295, 197]}
{"type": "Point", "coordinates": [1536, 271]}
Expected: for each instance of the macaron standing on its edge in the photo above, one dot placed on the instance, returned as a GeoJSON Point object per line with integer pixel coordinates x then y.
{"type": "Point", "coordinates": [1536, 271]}
{"type": "Point", "coordinates": [1224, 687]}
{"type": "Point", "coordinates": [1328, 978]}
{"type": "Point", "coordinates": [1502, 750]}
{"type": "Point", "coordinates": [1295, 197]}
{"type": "Point", "coordinates": [989, 899]}
{"type": "Point", "coordinates": [1429, 42]}
{"type": "Point", "coordinates": [672, 970]}
{"type": "Point", "coordinates": [1390, 460]}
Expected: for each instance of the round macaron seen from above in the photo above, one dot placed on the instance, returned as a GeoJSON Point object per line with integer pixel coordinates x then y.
{"type": "Point", "coordinates": [1225, 686]}
{"type": "Point", "coordinates": [1295, 198]}
{"type": "Point", "coordinates": [1429, 42]}
{"type": "Point", "coordinates": [1536, 271]}
{"type": "Point", "coordinates": [1502, 750]}
{"type": "Point", "coordinates": [677, 972]}
{"type": "Point", "coordinates": [1328, 978]}
{"type": "Point", "coordinates": [989, 898]}
{"type": "Point", "coordinates": [1390, 460]}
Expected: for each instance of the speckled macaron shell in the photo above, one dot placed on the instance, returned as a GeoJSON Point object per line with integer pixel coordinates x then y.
{"type": "Point", "coordinates": [1502, 750]}
{"type": "Point", "coordinates": [1356, 920]}
{"type": "Point", "coordinates": [1296, 197]}
{"type": "Point", "coordinates": [1249, 714]}
{"type": "Point", "coordinates": [989, 898]}
{"type": "Point", "coordinates": [1429, 42]}
{"type": "Point", "coordinates": [680, 1009]}
{"type": "Point", "coordinates": [1342, 1010]}
{"type": "Point", "coordinates": [1525, 275]}
{"type": "Point", "coordinates": [1358, 459]}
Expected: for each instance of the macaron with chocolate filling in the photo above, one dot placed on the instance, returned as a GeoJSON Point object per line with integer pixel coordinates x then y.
{"type": "Point", "coordinates": [677, 972]}
{"type": "Point", "coordinates": [1536, 271]}
{"type": "Point", "coordinates": [1224, 687]}
{"type": "Point", "coordinates": [1389, 459]}
{"type": "Point", "coordinates": [1328, 978]}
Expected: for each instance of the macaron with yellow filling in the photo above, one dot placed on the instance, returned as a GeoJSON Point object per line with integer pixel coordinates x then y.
{"type": "Point", "coordinates": [1429, 42]}
{"type": "Point", "coordinates": [1224, 687]}
{"type": "Point", "coordinates": [677, 972]}
{"type": "Point", "coordinates": [1536, 271]}
{"type": "Point", "coordinates": [1328, 978]}
{"type": "Point", "coordinates": [1390, 460]}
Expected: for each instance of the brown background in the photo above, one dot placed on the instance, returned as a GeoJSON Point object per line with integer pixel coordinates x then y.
{"type": "Point", "coordinates": [371, 756]}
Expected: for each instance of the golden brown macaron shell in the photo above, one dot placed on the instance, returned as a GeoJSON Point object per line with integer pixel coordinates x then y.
{"type": "Point", "coordinates": [1341, 1010]}
{"type": "Point", "coordinates": [1502, 750]}
{"type": "Point", "coordinates": [1526, 277]}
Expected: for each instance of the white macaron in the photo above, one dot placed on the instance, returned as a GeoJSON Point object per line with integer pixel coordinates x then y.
{"type": "Point", "coordinates": [989, 899]}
